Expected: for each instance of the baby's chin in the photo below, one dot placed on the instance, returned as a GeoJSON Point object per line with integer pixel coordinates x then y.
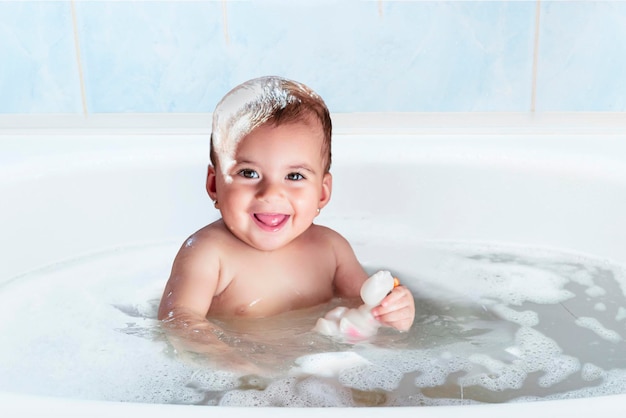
{"type": "Point", "coordinates": [262, 244]}
{"type": "Point", "coordinates": [267, 246]}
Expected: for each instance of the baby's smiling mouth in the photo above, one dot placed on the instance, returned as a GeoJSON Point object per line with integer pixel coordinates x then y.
{"type": "Point", "coordinates": [270, 221]}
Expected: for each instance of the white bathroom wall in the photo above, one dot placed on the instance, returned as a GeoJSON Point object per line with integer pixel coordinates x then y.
{"type": "Point", "coordinates": [96, 57]}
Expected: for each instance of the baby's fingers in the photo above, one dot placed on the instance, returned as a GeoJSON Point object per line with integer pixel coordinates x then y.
{"type": "Point", "coordinates": [397, 309]}
{"type": "Point", "coordinates": [400, 319]}
{"type": "Point", "coordinates": [399, 298]}
{"type": "Point", "coordinates": [398, 293]}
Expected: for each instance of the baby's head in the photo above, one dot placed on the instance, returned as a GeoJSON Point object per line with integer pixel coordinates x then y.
{"type": "Point", "coordinates": [263, 100]}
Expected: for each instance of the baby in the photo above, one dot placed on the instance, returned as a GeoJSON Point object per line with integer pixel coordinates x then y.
{"type": "Point", "coordinates": [269, 177]}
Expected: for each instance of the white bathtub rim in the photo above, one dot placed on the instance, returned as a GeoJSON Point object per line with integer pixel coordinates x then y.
{"type": "Point", "coordinates": [589, 156]}
{"type": "Point", "coordinates": [357, 123]}
{"type": "Point", "coordinates": [609, 406]}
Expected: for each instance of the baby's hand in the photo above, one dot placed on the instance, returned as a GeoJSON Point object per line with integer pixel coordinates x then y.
{"type": "Point", "coordinates": [397, 310]}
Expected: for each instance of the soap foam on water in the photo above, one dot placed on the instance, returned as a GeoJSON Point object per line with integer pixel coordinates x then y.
{"type": "Point", "coordinates": [493, 324]}
{"type": "Point", "coordinates": [595, 325]}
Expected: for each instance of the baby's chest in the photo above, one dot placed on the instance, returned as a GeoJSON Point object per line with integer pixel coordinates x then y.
{"type": "Point", "coordinates": [259, 289]}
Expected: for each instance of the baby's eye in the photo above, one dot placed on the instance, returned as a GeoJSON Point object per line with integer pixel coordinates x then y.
{"type": "Point", "coordinates": [249, 174]}
{"type": "Point", "coordinates": [294, 176]}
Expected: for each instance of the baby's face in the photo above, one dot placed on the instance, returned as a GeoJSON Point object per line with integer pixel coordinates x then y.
{"type": "Point", "coordinates": [278, 184]}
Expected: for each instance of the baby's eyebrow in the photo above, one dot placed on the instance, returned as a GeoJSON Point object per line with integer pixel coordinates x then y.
{"type": "Point", "coordinates": [244, 162]}
{"type": "Point", "coordinates": [302, 167]}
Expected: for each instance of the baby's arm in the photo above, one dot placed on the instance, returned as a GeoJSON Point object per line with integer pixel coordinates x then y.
{"type": "Point", "coordinates": [192, 283]}
{"type": "Point", "coordinates": [189, 291]}
{"type": "Point", "coordinates": [186, 300]}
{"type": "Point", "coordinates": [397, 310]}
{"type": "Point", "coordinates": [349, 274]}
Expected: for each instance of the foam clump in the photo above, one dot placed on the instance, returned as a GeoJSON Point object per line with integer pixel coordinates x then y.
{"type": "Point", "coordinates": [594, 325]}
{"type": "Point", "coordinates": [357, 324]}
{"type": "Point", "coordinates": [291, 392]}
{"type": "Point", "coordinates": [328, 364]}
{"type": "Point", "coordinates": [532, 353]}
{"type": "Point", "coordinates": [591, 372]}
{"type": "Point", "coordinates": [621, 314]}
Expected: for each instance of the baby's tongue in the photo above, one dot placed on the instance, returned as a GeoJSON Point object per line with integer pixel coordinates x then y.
{"type": "Point", "coordinates": [271, 219]}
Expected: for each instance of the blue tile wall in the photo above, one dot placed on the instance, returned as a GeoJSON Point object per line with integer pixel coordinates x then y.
{"type": "Point", "coordinates": [582, 60]}
{"type": "Point", "coordinates": [361, 56]}
{"type": "Point", "coordinates": [152, 56]}
{"type": "Point", "coordinates": [38, 70]}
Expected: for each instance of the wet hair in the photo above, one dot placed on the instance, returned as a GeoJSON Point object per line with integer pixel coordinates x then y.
{"type": "Point", "coordinates": [263, 100]}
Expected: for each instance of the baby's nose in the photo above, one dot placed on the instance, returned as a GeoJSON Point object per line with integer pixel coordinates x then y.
{"type": "Point", "coordinates": [269, 190]}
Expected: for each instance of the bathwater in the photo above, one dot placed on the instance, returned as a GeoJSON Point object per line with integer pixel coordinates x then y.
{"type": "Point", "coordinates": [494, 323]}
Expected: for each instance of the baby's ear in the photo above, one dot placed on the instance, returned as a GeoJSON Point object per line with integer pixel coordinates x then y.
{"type": "Point", "coordinates": [211, 183]}
{"type": "Point", "coordinates": [327, 188]}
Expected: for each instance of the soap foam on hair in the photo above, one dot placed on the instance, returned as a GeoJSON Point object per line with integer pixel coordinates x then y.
{"type": "Point", "coordinates": [245, 108]}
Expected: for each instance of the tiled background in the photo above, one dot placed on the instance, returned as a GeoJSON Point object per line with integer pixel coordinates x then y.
{"type": "Point", "coordinates": [91, 57]}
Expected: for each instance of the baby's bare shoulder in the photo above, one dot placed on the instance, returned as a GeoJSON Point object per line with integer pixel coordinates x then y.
{"type": "Point", "coordinates": [212, 235]}
{"type": "Point", "coordinates": [329, 238]}
{"type": "Point", "coordinates": [325, 233]}
{"type": "Point", "coordinates": [205, 246]}
{"type": "Point", "coordinates": [202, 256]}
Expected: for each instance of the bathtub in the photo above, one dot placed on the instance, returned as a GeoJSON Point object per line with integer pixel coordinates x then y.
{"type": "Point", "coordinates": [76, 187]}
